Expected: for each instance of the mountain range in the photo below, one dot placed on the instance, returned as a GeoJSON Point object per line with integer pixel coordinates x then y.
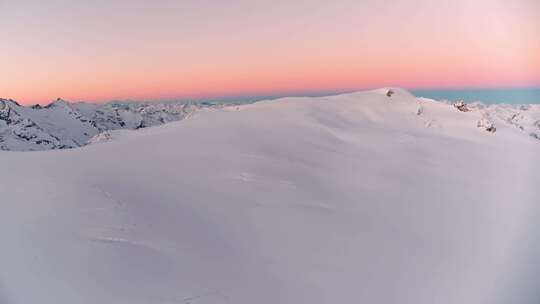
{"type": "Point", "coordinates": [63, 125]}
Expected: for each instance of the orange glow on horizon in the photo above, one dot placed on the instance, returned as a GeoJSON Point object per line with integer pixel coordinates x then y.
{"type": "Point", "coordinates": [280, 47]}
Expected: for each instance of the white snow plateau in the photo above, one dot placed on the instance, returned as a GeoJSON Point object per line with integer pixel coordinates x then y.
{"type": "Point", "coordinates": [374, 197]}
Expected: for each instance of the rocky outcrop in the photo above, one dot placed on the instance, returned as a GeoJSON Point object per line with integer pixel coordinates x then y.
{"type": "Point", "coordinates": [461, 106]}
{"type": "Point", "coordinates": [486, 125]}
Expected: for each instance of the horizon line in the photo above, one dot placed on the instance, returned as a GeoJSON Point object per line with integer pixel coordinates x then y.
{"type": "Point", "coordinates": [255, 96]}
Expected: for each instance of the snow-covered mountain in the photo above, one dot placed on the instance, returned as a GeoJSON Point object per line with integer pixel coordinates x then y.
{"type": "Point", "coordinates": [62, 125]}
{"type": "Point", "coordinates": [357, 198]}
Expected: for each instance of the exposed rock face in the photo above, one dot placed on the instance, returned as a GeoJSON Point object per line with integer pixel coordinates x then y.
{"type": "Point", "coordinates": [420, 110]}
{"type": "Point", "coordinates": [486, 125]}
{"type": "Point", "coordinates": [389, 93]}
{"type": "Point", "coordinates": [462, 106]}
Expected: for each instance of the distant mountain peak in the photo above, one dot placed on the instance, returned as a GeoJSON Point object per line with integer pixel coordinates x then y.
{"type": "Point", "coordinates": [58, 102]}
{"type": "Point", "coordinates": [62, 125]}
{"type": "Point", "coordinates": [8, 102]}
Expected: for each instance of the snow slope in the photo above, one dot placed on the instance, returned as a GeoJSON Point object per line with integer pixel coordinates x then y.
{"type": "Point", "coordinates": [357, 198]}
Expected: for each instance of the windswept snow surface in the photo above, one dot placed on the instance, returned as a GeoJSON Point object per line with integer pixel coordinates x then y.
{"type": "Point", "coordinates": [357, 198]}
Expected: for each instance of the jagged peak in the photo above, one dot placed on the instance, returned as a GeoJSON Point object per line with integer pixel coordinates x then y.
{"type": "Point", "coordinates": [58, 102]}
{"type": "Point", "coordinates": [8, 103]}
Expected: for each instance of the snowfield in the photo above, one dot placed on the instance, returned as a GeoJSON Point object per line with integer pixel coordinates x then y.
{"type": "Point", "coordinates": [356, 198]}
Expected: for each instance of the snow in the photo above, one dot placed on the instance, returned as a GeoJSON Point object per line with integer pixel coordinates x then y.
{"type": "Point", "coordinates": [357, 198]}
{"type": "Point", "coordinates": [62, 125]}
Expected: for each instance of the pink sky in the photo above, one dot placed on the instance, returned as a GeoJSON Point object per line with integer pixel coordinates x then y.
{"type": "Point", "coordinates": [163, 49]}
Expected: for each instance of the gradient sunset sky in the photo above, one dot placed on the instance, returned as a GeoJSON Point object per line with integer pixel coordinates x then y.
{"type": "Point", "coordinates": [132, 49]}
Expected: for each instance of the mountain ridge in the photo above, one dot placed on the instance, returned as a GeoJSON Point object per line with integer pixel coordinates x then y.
{"type": "Point", "coordinates": [64, 125]}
